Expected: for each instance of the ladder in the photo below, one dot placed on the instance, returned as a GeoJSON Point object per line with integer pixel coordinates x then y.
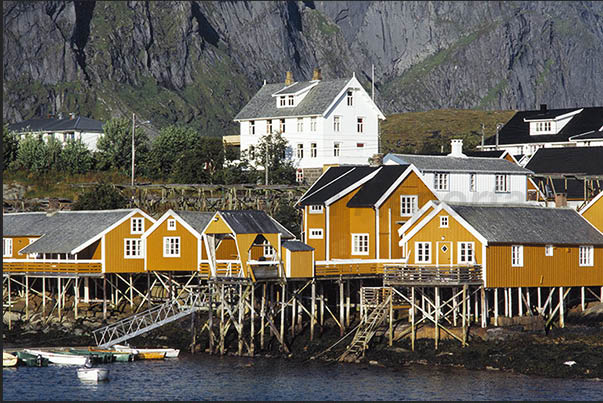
{"type": "Point", "coordinates": [150, 319]}
{"type": "Point", "coordinates": [366, 331]}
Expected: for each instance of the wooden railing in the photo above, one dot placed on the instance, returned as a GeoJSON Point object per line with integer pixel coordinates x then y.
{"type": "Point", "coordinates": [336, 269]}
{"type": "Point", "coordinates": [52, 266]}
{"type": "Point", "coordinates": [419, 275]}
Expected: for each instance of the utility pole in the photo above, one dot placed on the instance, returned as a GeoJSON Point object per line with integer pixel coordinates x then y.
{"type": "Point", "coordinates": [266, 164]}
{"type": "Point", "coordinates": [133, 150]}
{"type": "Point", "coordinates": [482, 135]}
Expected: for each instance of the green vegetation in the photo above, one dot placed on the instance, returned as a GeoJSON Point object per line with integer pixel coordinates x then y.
{"type": "Point", "coordinates": [492, 94]}
{"type": "Point", "coordinates": [103, 196]}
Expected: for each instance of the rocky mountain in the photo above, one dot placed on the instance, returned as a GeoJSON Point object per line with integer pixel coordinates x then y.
{"type": "Point", "coordinates": [199, 62]}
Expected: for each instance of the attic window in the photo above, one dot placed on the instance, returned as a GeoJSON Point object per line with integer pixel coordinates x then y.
{"type": "Point", "coordinates": [350, 98]}
{"type": "Point", "coordinates": [291, 100]}
{"type": "Point", "coordinates": [282, 101]}
{"type": "Point", "coordinates": [171, 224]}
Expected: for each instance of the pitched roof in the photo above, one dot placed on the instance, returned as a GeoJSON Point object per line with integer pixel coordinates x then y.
{"type": "Point", "coordinates": [23, 224]}
{"type": "Point", "coordinates": [296, 245]}
{"type": "Point", "coordinates": [517, 130]}
{"type": "Point", "coordinates": [295, 87]}
{"type": "Point", "coordinates": [343, 177]}
{"type": "Point", "coordinates": [254, 222]}
{"type": "Point", "coordinates": [57, 125]}
{"type": "Point", "coordinates": [64, 231]}
{"type": "Point", "coordinates": [437, 163]}
{"type": "Point", "coordinates": [529, 224]}
{"type": "Point", "coordinates": [371, 191]}
{"type": "Point", "coordinates": [594, 135]}
{"type": "Point", "coordinates": [318, 99]}
{"type": "Point", "coordinates": [196, 219]}
{"type": "Point", "coordinates": [567, 160]}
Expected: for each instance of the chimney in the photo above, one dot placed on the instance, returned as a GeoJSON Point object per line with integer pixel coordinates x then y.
{"type": "Point", "coordinates": [316, 75]}
{"type": "Point", "coordinates": [542, 107]}
{"type": "Point", "coordinates": [456, 148]}
{"type": "Point", "coordinates": [376, 160]}
{"type": "Point", "coordinates": [71, 115]}
{"type": "Point", "coordinates": [289, 78]}
{"type": "Point", "coordinates": [561, 200]}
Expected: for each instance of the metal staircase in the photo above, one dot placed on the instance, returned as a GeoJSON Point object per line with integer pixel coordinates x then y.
{"type": "Point", "coordinates": [150, 319]}
{"type": "Point", "coordinates": [366, 331]}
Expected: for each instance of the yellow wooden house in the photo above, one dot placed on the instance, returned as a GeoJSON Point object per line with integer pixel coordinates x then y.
{"type": "Point", "coordinates": [593, 211]}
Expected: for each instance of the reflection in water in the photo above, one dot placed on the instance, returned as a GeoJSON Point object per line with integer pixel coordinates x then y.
{"type": "Point", "coordinates": [203, 377]}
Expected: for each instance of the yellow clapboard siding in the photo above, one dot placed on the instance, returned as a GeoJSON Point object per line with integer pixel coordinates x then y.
{"type": "Point", "coordinates": [187, 261]}
{"type": "Point", "coordinates": [115, 261]}
{"type": "Point", "coordinates": [316, 221]}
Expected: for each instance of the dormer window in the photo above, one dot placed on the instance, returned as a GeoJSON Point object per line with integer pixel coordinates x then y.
{"type": "Point", "coordinates": [291, 99]}
{"type": "Point", "coordinates": [350, 98]}
{"type": "Point", "coordinates": [282, 101]}
{"type": "Point", "coordinates": [251, 127]}
{"type": "Point", "coordinates": [543, 127]}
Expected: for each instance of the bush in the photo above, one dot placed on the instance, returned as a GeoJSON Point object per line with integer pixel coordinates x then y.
{"type": "Point", "coordinates": [101, 197]}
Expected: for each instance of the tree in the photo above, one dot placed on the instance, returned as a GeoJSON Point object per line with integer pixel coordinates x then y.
{"type": "Point", "coordinates": [102, 196]}
{"type": "Point", "coordinates": [76, 158]}
{"type": "Point", "coordinates": [167, 149]}
{"type": "Point", "coordinates": [274, 147]}
{"type": "Point", "coordinates": [32, 154]}
{"type": "Point", "coordinates": [115, 145]}
{"type": "Point", "coordinates": [10, 144]}
{"type": "Point", "coordinates": [201, 163]}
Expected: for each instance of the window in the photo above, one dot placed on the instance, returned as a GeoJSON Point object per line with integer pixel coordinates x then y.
{"type": "Point", "coordinates": [290, 99]}
{"type": "Point", "coordinates": [316, 209]}
{"type": "Point", "coordinates": [422, 252]}
{"type": "Point", "coordinates": [299, 175]}
{"type": "Point", "coordinates": [359, 145]}
{"type": "Point", "coordinates": [543, 127]}
{"type": "Point", "coordinates": [282, 101]}
{"type": "Point", "coordinates": [360, 244]}
{"type": "Point", "coordinates": [408, 205]}
{"type": "Point", "coordinates": [502, 183]}
{"type": "Point", "coordinates": [360, 125]}
{"type": "Point", "coordinates": [315, 233]}
{"type": "Point", "coordinates": [268, 250]}
{"type": "Point", "coordinates": [586, 256]}
{"type": "Point", "coordinates": [336, 149]}
{"type": "Point", "coordinates": [251, 127]}
{"type": "Point", "coordinates": [7, 247]}
{"type": "Point", "coordinates": [299, 151]}
{"type": "Point", "coordinates": [171, 246]}
{"type": "Point", "coordinates": [440, 181]}
{"type": "Point", "coordinates": [137, 225]}
{"type": "Point", "coordinates": [313, 150]}
{"type": "Point", "coordinates": [300, 125]}
{"type": "Point", "coordinates": [336, 123]}
{"type": "Point", "coordinates": [268, 126]}
{"type": "Point", "coordinates": [517, 256]}
{"type": "Point", "coordinates": [313, 124]}
{"type": "Point", "coordinates": [171, 224]}
{"type": "Point", "coordinates": [350, 98]}
{"type": "Point", "coordinates": [466, 254]}
{"type": "Point", "coordinates": [548, 250]}
{"type": "Point", "coordinates": [282, 125]}
{"type": "Point", "coordinates": [472, 183]}
{"type": "Point", "coordinates": [444, 221]}
{"type": "Point", "coordinates": [132, 248]}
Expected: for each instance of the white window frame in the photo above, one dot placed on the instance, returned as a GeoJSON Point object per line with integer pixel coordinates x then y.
{"type": "Point", "coordinates": [444, 220]}
{"type": "Point", "coordinates": [133, 248]}
{"type": "Point", "coordinates": [299, 151]}
{"type": "Point", "coordinates": [441, 181]}
{"type": "Point", "coordinates": [269, 126]}
{"type": "Point", "coordinates": [282, 125]}
{"type": "Point", "coordinates": [501, 183]}
{"type": "Point", "coordinates": [7, 247]}
{"type": "Point", "coordinates": [350, 97]}
{"type": "Point", "coordinates": [586, 256]}
{"type": "Point", "coordinates": [472, 182]}
{"type": "Point", "coordinates": [282, 101]}
{"type": "Point", "coordinates": [300, 125]}
{"type": "Point", "coordinates": [290, 100]}
{"type": "Point", "coordinates": [268, 250]}
{"type": "Point", "coordinates": [313, 150]}
{"type": "Point", "coordinates": [315, 209]}
{"type": "Point", "coordinates": [517, 255]}
{"type": "Point", "coordinates": [313, 124]}
{"type": "Point", "coordinates": [171, 250]}
{"type": "Point", "coordinates": [171, 224]}
{"type": "Point", "coordinates": [423, 252]}
{"type": "Point", "coordinates": [360, 244]}
{"type": "Point", "coordinates": [137, 225]}
{"type": "Point", "coordinates": [299, 175]}
{"type": "Point", "coordinates": [336, 149]}
{"type": "Point", "coordinates": [466, 253]}
{"type": "Point", "coordinates": [408, 202]}
{"type": "Point", "coordinates": [315, 233]}
{"type": "Point", "coordinates": [336, 123]}
{"type": "Point", "coordinates": [360, 124]}
{"type": "Point", "coordinates": [548, 250]}
{"type": "Point", "coordinates": [252, 127]}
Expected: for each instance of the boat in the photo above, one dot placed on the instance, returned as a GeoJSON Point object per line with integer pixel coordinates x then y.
{"type": "Point", "coordinates": [89, 373]}
{"type": "Point", "coordinates": [120, 356]}
{"type": "Point", "coordinates": [169, 352]}
{"type": "Point", "coordinates": [9, 360]}
{"type": "Point", "coordinates": [31, 360]}
{"type": "Point", "coordinates": [96, 356]}
{"type": "Point", "coordinates": [60, 358]}
{"type": "Point", "coordinates": [151, 355]}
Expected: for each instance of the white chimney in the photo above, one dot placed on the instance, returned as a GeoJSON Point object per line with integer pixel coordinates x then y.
{"type": "Point", "coordinates": [456, 148]}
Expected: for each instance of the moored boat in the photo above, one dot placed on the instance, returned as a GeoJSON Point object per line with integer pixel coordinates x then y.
{"type": "Point", "coordinates": [59, 358]}
{"type": "Point", "coordinates": [169, 352]}
{"type": "Point", "coordinates": [152, 355]}
{"type": "Point", "coordinates": [31, 360]}
{"type": "Point", "coordinates": [93, 374]}
{"type": "Point", "coordinates": [9, 360]}
{"type": "Point", "coordinates": [96, 356]}
{"type": "Point", "coordinates": [120, 356]}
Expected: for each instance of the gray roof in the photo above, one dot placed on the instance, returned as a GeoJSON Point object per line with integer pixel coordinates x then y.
{"type": "Point", "coordinates": [65, 230]}
{"type": "Point", "coordinates": [254, 222]}
{"type": "Point", "coordinates": [196, 219]}
{"type": "Point", "coordinates": [296, 87]}
{"type": "Point", "coordinates": [523, 224]}
{"type": "Point", "coordinates": [58, 125]}
{"type": "Point", "coordinates": [23, 224]}
{"type": "Point", "coordinates": [296, 245]}
{"type": "Point", "coordinates": [316, 102]}
{"type": "Point", "coordinates": [433, 163]}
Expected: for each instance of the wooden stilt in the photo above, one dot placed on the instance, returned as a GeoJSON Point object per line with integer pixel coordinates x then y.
{"type": "Point", "coordinates": [293, 312]}
{"type": "Point", "coordinates": [104, 296]}
{"type": "Point", "coordinates": [263, 316]}
{"type": "Point", "coordinates": [240, 320]}
{"type": "Point", "coordinates": [539, 296]}
{"type": "Point", "coordinates": [455, 306]}
{"type": "Point", "coordinates": [520, 301]}
{"type": "Point", "coordinates": [510, 302]}
{"type": "Point", "coordinates": [86, 290]}
{"type": "Point", "coordinates": [211, 318]}
{"type": "Point", "coordinates": [60, 297]}
{"type": "Point", "coordinates": [149, 289]}
{"type": "Point", "coordinates": [436, 335]}
{"type": "Point", "coordinates": [561, 308]}
{"type": "Point", "coordinates": [313, 310]}
{"type": "Point", "coordinates": [222, 303]}
{"type": "Point", "coordinates": [476, 310]}
{"type": "Point", "coordinates": [496, 307]}
{"type": "Point", "coordinates": [252, 324]}
{"type": "Point", "coordinates": [283, 290]}
{"type": "Point", "coordinates": [506, 302]}
{"type": "Point", "coordinates": [391, 319]}
{"type": "Point", "coordinates": [131, 292]}
{"type": "Point", "coordinates": [322, 307]}
{"type": "Point", "coordinates": [582, 297]}
{"type": "Point", "coordinates": [464, 315]}
{"type": "Point", "coordinates": [412, 318]}
{"type": "Point", "coordinates": [26, 297]}
{"type": "Point", "coordinates": [484, 303]}
{"type": "Point", "coordinates": [75, 295]}
{"type": "Point", "coordinates": [341, 310]}
{"type": "Point", "coordinates": [529, 302]}
{"type": "Point", "coordinates": [10, 303]}
{"type": "Point", "coordinates": [347, 303]}
{"type": "Point", "coordinates": [43, 297]}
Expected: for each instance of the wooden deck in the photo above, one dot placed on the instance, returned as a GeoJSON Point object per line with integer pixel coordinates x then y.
{"type": "Point", "coordinates": [52, 266]}
{"type": "Point", "coordinates": [432, 275]}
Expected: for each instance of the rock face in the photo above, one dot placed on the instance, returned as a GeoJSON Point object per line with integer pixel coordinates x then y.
{"type": "Point", "coordinates": [199, 62]}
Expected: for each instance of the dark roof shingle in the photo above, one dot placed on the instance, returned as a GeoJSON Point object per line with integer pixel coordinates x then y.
{"type": "Point", "coordinates": [567, 160]}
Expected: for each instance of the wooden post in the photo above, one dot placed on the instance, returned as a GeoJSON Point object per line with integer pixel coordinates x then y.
{"type": "Point", "coordinates": [455, 306]}
{"type": "Point", "coordinates": [104, 297]}
{"type": "Point", "coordinates": [10, 321]}
{"type": "Point", "coordinates": [561, 308]}
{"type": "Point", "coordinates": [412, 318]}
{"type": "Point", "coordinates": [313, 310]}
{"type": "Point", "coordinates": [484, 308]}
{"type": "Point", "coordinates": [464, 315]}
{"type": "Point", "coordinates": [496, 307]}
{"type": "Point", "coordinates": [211, 318]}
{"type": "Point", "coordinates": [322, 307]}
{"type": "Point", "coordinates": [436, 335]}
{"type": "Point", "coordinates": [263, 316]}
{"type": "Point", "coordinates": [505, 290]}
{"type": "Point", "coordinates": [347, 303]}
{"type": "Point", "coordinates": [476, 302]}
{"type": "Point", "coordinates": [293, 312]}
{"type": "Point", "coordinates": [86, 290]}
{"type": "Point", "coordinates": [26, 297]}
{"type": "Point", "coordinates": [283, 290]}
{"type": "Point", "coordinates": [391, 319]}
{"type": "Point", "coordinates": [341, 309]}
{"type": "Point", "coordinates": [149, 289]}
{"type": "Point", "coordinates": [539, 302]}
{"type": "Point", "coordinates": [240, 320]}
{"type": "Point", "coordinates": [222, 335]}
{"type": "Point", "coordinates": [510, 302]}
{"type": "Point", "coordinates": [582, 298]}
{"type": "Point", "coordinates": [520, 301]}
{"type": "Point", "coordinates": [43, 296]}
{"type": "Point", "coordinates": [131, 292]}
{"type": "Point", "coordinates": [252, 314]}
{"type": "Point", "coordinates": [75, 295]}
{"type": "Point", "coordinates": [529, 302]}
{"type": "Point", "coordinates": [59, 298]}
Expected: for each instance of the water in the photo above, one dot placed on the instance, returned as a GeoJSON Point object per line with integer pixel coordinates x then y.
{"type": "Point", "coordinates": [204, 377]}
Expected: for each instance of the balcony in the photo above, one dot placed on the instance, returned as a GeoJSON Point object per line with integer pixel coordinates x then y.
{"type": "Point", "coordinates": [52, 266]}
{"type": "Point", "coordinates": [432, 275]}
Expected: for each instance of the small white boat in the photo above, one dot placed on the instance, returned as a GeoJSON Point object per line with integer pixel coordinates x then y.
{"type": "Point", "coordinates": [169, 352]}
{"type": "Point", "coordinates": [59, 358]}
{"type": "Point", "coordinates": [9, 360]}
{"type": "Point", "coordinates": [93, 374]}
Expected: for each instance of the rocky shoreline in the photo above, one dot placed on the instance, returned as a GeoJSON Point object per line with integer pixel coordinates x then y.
{"type": "Point", "coordinates": [575, 351]}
